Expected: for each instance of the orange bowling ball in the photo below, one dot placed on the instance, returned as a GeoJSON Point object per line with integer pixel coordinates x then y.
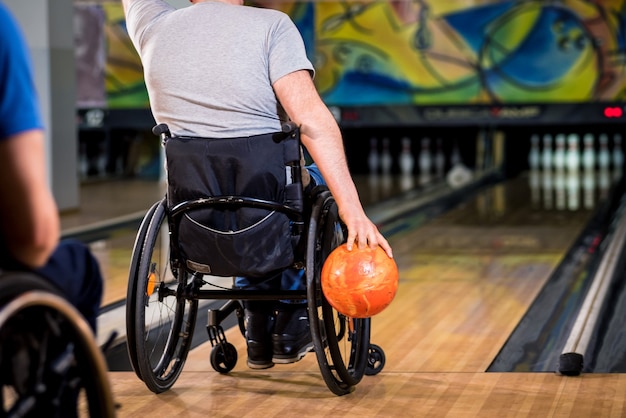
{"type": "Point", "coordinates": [359, 283]}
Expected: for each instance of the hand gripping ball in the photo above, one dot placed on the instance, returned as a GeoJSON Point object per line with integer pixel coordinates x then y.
{"type": "Point", "coordinates": [359, 283]}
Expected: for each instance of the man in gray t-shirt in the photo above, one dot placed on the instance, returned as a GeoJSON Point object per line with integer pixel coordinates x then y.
{"type": "Point", "coordinates": [219, 69]}
{"type": "Point", "coordinates": [186, 54]}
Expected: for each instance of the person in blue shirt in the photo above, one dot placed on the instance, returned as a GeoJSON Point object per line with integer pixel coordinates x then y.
{"type": "Point", "coordinates": [29, 219]}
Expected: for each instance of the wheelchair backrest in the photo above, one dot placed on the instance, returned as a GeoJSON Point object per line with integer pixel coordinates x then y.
{"type": "Point", "coordinates": [235, 204]}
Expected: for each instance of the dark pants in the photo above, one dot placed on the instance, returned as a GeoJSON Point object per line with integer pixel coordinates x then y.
{"type": "Point", "coordinates": [290, 279]}
{"type": "Point", "coordinates": [73, 270]}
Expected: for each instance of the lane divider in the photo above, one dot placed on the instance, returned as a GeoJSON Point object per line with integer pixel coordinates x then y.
{"type": "Point", "coordinates": [571, 360]}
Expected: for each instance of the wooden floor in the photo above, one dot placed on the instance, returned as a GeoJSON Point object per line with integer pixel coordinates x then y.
{"type": "Point", "coordinates": [277, 393]}
{"type": "Point", "coordinates": [467, 278]}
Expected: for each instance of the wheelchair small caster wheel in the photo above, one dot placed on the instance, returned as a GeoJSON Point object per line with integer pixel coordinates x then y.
{"type": "Point", "coordinates": [223, 357]}
{"type": "Point", "coordinates": [375, 360]}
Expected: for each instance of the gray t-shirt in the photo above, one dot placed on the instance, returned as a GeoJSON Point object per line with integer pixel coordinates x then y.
{"type": "Point", "coordinates": [209, 67]}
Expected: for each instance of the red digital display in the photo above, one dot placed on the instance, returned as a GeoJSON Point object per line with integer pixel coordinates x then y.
{"type": "Point", "coordinates": [613, 112]}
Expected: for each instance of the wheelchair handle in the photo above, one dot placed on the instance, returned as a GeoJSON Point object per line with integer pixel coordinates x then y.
{"type": "Point", "coordinates": [289, 127]}
{"type": "Point", "coordinates": [162, 131]}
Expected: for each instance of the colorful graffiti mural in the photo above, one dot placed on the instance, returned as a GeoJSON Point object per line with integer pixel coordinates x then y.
{"type": "Point", "coordinates": [124, 83]}
{"type": "Point", "coordinates": [434, 52]}
{"type": "Point", "coordinates": [464, 52]}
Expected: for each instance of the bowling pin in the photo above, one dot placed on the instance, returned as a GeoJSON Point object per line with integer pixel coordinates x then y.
{"type": "Point", "coordinates": [573, 190]}
{"type": "Point", "coordinates": [559, 152]}
{"type": "Point", "coordinates": [425, 160]}
{"type": "Point", "coordinates": [572, 157]}
{"type": "Point", "coordinates": [534, 182]}
{"type": "Point", "coordinates": [440, 159]}
{"type": "Point", "coordinates": [618, 157]}
{"type": "Point", "coordinates": [547, 186]}
{"type": "Point", "coordinates": [533, 155]}
{"type": "Point", "coordinates": [373, 159]}
{"type": "Point", "coordinates": [406, 161]}
{"type": "Point", "coordinates": [589, 155]}
{"type": "Point", "coordinates": [559, 190]}
{"type": "Point", "coordinates": [546, 155]}
{"type": "Point", "coordinates": [385, 158]}
{"type": "Point", "coordinates": [407, 182]}
{"type": "Point", "coordinates": [589, 189]}
{"type": "Point", "coordinates": [604, 157]}
{"type": "Point", "coordinates": [604, 183]}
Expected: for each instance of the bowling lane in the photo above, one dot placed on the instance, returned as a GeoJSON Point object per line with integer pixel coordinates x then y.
{"type": "Point", "coordinates": [467, 277]}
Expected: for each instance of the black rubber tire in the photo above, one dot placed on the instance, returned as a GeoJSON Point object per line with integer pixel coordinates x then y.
{"type": "Point", "coordinates": [223, 357]}
{"type": "Point", "coordinates": [46, 343]}
{"type": "Point", "coordinates": [132, 288]}
{"type": "Point", "coordinates": [376, 360]}
{"type": "Point", "coordinates": [341, 343]}
{"type": "Point", "coordinates": [163, 318]}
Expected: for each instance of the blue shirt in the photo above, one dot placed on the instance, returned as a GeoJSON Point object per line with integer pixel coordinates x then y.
{"type": "Point", "coordinates": [19, 108]}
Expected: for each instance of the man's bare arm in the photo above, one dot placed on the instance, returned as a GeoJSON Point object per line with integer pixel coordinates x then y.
{"type": "Point", "coordinates": [28, 213]}
{"type": "Point", "coordinates": [322, 138]}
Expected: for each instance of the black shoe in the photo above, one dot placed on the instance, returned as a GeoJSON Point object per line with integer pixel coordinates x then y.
{"type": "Point", "coordinates": [291, 339]}
{"type": "Point", "coordinates": [259, 355]}
{"type": "Point", "coordinates": [259, 321]}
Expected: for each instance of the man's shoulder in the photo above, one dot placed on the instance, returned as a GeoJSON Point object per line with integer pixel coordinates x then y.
{"type": "Point", "coordinates": [272, 14]}
{"type": "Point", "coordinates": [147, 7]}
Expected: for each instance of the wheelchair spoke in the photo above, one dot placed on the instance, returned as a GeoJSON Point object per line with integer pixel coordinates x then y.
{"type": "Point", "coordinates": [161, 318]}
{"type": "Point", "coordinates": [169, 347]}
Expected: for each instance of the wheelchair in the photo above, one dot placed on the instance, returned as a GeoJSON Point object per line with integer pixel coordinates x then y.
{"type": "Point", "coordinates": [192, 243]}
{"type": "Point", "coordinates": [50, 364]}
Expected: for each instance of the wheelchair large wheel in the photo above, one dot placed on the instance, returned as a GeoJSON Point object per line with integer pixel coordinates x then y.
{"type": "Point", "coordinates": [131, 291]}
{"type": "Point", "coordinates": [163, 318]}
{"type": "Point", "coordinates": [341, 343]}
{"type": "Point", "coordinates": [50, 364]}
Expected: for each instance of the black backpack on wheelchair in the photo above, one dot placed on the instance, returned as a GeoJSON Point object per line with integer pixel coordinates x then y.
{"type": "Point", "coordinates": [240, 198]}
{"type": "Point", "coordinates": [235, 207]}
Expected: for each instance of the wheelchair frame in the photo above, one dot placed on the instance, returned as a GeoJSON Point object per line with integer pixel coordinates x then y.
{"type": "Point", "coordinates": [48, 354]}
{"type": "Point", "coordinates": [341, 344]}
